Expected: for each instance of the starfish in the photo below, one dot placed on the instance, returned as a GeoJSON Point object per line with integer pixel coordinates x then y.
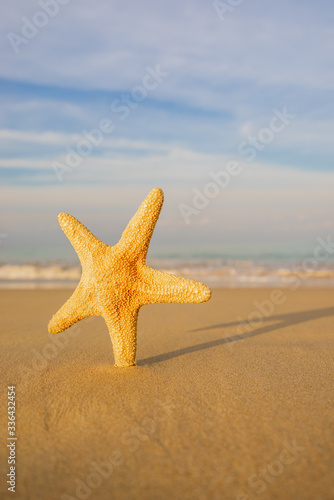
{"type": "Point", "coordinates": [116, 282]}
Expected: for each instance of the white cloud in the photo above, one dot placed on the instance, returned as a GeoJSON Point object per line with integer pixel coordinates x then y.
{"type": "Point", "coordinates": [125, 160]}
{"type": "Point", "coordinates": [64, 139]}
{"type": "Point", "coordinates": [265, 203]}
{"type": "Point", "coordinates": [257, 42]}
{"type": "Point", "coordinates": [264, 55]}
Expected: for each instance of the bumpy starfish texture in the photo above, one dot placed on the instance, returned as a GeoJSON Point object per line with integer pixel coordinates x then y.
{"type": "Point", "coordinates": [116, 282]}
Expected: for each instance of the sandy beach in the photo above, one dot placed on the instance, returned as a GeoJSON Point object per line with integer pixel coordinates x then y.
{"type": "Point", "coordinates": [231, 399]}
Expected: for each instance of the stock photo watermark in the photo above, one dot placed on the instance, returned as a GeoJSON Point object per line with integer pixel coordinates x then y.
{"type": "Point", "coordinates": [121, 106]}
{"type": "Point", "coordinates": [40, 359]}
{"type": "Point", "coordinates": [255, 143]}
{"type": "Point", "coordinates": [11, 439]}
{"type": "Point", "coordinates": [130, 441]}
{"type": "Point", "coordinates": [322, 252]}
{"type": "Point", "coordinates": [259, 481]}
{"type": "Point", "coordinates": [30, 27]}
{"type": "Point", "coordinates": [224, 8]}
{"type": "Point", "coordinates": [220, 180]}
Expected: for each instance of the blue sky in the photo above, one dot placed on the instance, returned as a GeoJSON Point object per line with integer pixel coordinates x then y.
{"type": "Point", "coordinates": [223, 79]}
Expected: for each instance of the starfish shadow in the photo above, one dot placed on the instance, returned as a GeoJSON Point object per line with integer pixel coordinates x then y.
{"type": "Point", "coordinates": [283, 320]}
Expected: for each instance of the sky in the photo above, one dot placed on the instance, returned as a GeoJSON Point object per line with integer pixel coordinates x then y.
{"type": "Point", "coordinates": [227, 106]}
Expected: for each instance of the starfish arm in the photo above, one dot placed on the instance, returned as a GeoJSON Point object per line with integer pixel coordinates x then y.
{"type": "Point", "coordinates": [158, 286]}
{"type": "Point", "coordinates": [137, 235]}
{"type": "Point", "coordinates": [122, 326]}
{"type": "Point", "coordinates": [83, 241]}
{"type": "Point", "coordinates": [76, 308]}
{"type": "Point", "coordinates": [116, 282]}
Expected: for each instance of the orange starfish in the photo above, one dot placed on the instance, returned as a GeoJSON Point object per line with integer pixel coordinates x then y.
{"type": "Point", "coordinates": [116, 282]}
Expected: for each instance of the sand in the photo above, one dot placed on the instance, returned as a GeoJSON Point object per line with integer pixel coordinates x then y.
{"type": "Point", "coordinates": [215, 409]}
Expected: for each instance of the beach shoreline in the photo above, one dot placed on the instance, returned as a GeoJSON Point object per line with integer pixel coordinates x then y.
{"type": "Point", "coordinates": [218, 273]}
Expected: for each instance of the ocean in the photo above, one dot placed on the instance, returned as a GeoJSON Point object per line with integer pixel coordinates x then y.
{"type": "Point", "coordinates": [235, 266]}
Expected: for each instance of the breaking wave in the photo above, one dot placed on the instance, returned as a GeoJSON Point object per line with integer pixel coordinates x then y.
{"type": "Point", "coordinates": [213, 272]}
